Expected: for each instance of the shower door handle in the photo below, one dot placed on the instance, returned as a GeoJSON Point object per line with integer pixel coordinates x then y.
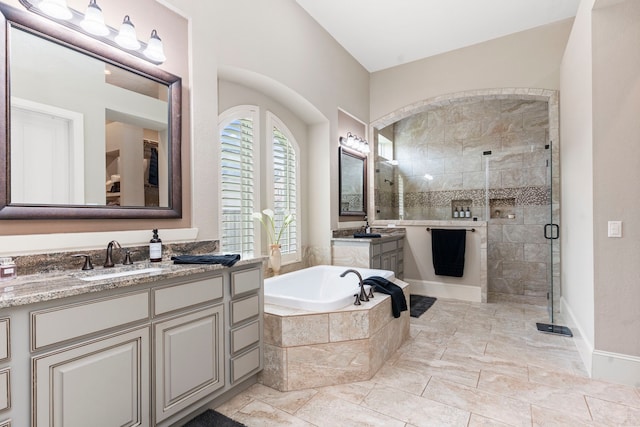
{"type": "Point", "coordinates": [548, 231]}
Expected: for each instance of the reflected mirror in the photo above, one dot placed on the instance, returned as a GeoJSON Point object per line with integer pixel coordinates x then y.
{"type": "Point", "coordinates": [92, 132]}
{"type": "Point", "coordinates": [353, 184]}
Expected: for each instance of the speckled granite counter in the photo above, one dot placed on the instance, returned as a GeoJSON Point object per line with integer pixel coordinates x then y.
{"type": "Point", "coordinates": [48, 286]}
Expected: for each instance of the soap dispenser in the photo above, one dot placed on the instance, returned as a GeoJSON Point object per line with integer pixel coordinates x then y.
{"type": "Point", "coordinates": [155, 247]}
{"type": "Point", "coordinates": [367, 227]}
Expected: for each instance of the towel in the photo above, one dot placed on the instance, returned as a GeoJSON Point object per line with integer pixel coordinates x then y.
{"type": "Point", "coordinates": [366, 235]}
{"type": "Point", "coordinates": [153, 167]}
{"type": "Point", "coordinates": [384, 286]}
{"type": "Point", "coordinates": [226, 260]}
{"type": "Point", "coordinates": [447, 247]}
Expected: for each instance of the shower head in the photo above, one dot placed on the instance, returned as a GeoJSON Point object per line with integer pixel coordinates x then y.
{"type": "Point", "coordinates": [390, 182]}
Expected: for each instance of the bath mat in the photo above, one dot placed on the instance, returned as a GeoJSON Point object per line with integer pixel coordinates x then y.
{"type": "Point", "coordinates": [211, 418]}
{"type": "Point", "coordinates": [419, 304]}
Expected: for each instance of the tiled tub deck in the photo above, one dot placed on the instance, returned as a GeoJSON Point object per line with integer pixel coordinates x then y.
{"type": "Point", "coordinates": [306, 349]}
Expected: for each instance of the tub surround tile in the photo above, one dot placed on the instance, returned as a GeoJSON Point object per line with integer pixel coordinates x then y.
{"type": "Point", "coordinates": [321, 349]}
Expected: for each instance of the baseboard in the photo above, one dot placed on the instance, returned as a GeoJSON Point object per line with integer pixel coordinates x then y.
{"type": "Point", "coordinates": [602, 365]}
{"type": "Point", "coordinates": [616, 367]}
{"type": "Point", "coordinates": [445, 290]}
{"type": "Point", "coordinates": [583, 344]}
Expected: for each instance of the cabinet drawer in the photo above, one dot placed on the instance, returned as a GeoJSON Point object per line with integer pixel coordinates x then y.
{"type": "Point", "coordinates": [245, 364]}
{"type": "Point", "coordinates": [5, 334]}
{"type": "Point", "coordinates": [185, 295]}
{"type": "Point", "coordinates": [389, 246]}
{"type": "Point", "coordinates": [244, 309]}
{"type": "Point", "coordinates": [73, 321]}
{"type": "Point", "coordinates": [245, 336]}
{"type": "Point", "coordinates": [5, 389]}
{"type": "Point", "coordinates": [245, 281]}
{"type": "Point", "coordinates": [400, 243]}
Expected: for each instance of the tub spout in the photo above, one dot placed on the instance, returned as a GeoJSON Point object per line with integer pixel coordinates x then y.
{"type": "Point", "coordinates": [363, 295]}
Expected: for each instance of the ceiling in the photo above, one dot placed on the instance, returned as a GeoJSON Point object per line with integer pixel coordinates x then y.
{"type": "Point", "coordinates": [384, 33]}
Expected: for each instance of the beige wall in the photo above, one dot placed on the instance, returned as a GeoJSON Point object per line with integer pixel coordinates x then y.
{"type": "Point", "coordinates": [616, 126]}
{"type": "Point", "coordinates": [296, 64]}
{"type": "Point", "coordinates": [576, 163]}
{"type": "Point", "coordinates": [529, 59]}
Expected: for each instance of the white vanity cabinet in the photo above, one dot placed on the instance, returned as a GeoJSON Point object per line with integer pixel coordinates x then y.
{"type": "Point", "coordinates": [386, 253]}
{"type": "Point", "coordinates": [143, 355]}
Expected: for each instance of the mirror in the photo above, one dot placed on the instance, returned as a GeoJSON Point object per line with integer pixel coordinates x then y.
{"type": "Point", "coordinates": [91, 131]}
{"type": "Point", "coordinates": [353, 182]}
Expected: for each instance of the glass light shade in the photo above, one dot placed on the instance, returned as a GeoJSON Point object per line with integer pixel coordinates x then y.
{"type": "Point", "coordinates": [365, 148]}
{"type": "Point", "coordinates": [55, 8]}
{"type": "Point", "coordinates": [154, 50]}
{"type": "Point", "coordinates": [93, 21]}
{"type": "Point", "coordinates": [127, 36]}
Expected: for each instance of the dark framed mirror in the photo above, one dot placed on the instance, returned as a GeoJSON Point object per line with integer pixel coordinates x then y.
{"type": "Point", "coordinates": [90, 131]}
{"type": "Point", "coordinates": [352, 182]}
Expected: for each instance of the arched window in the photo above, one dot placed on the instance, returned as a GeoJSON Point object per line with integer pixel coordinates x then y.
{"type": "Point", "coordinates": [239, 158]}
{"type": "Point", "coordinates": [284, 179]}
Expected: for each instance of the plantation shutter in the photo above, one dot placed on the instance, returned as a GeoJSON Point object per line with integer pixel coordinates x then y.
{"type": "Point", "coordinates": [236, 140]}
{"type": "Point", "coordinates": [284, 189]}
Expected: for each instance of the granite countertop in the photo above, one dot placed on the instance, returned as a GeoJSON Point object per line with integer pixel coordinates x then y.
{"type": "Point", "coordinates": [385, 235]}
{"type": "Point", "coordinates": [47, 286]}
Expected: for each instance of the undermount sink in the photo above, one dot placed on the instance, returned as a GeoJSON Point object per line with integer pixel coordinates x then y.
{"type": "Point", "coordinates": [113, 275]}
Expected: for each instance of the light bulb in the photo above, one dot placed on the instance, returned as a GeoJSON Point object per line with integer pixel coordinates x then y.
{"type": "Point", "coordinates": [154, 50]}
{"type": "Point", "coordinates": [55, 8]}
{"type": "Point", "coordinates": [127, 36]}
{"type": "Point", "coordinates": [93, 21]}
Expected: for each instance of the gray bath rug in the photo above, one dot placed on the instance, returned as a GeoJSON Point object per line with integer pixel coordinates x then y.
{"type": "Point", "coordinates": [418, 304]}
{"type": "Point", "coordinates": [211, 418]}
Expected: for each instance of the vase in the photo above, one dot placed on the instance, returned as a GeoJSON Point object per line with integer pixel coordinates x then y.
{"type": "Point", "coordinates": [275, 258]}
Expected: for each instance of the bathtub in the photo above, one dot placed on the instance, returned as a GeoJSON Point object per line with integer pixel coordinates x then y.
{"type": "Point", "coordinates": [318, 288]}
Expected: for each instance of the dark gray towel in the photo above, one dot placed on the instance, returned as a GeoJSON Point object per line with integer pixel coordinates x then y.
{"type": "Point", "coordinates": [384, 286]}
{"type": "Point", "coordinates": [366, 235]}
{"type": "Point", "coordinates": [226, 260]}
{"type": "Point", "coordinates": [448, 247]}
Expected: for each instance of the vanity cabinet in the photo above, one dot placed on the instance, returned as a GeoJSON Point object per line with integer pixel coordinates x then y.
{"type": "Point", "coordinates": [386, 253]}
{"type": "Point", "coordinates": [146, 355]}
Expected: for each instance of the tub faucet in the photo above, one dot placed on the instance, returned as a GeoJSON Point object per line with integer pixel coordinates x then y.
{"type": "Point", "coordinates": [363, 295]}
{"type": "Point", "coordinates": [108, 262]}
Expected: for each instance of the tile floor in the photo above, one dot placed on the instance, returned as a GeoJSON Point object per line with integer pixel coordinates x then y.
{"type": "Point", "coordinates": [466, 364]}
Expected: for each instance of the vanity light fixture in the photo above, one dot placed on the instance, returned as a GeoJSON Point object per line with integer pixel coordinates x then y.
{"type": "Point", "coordinates": [92, 23]}
{"type": "Point", "coordinates": [127, 36]}
{"type": "Point", "coordinates": [355, 143]}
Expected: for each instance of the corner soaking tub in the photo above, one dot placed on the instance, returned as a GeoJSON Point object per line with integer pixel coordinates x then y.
{"type": "Point", "coordinates": [318, 288]}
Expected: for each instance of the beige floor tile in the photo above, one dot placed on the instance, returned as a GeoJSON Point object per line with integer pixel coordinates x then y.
{"type": "Point", "coordinates": [288, 402]}
{"type": "Point", "coordinates": [480, 421]}
{"type": "Point", "coordinates": [537, 394]}
{"type": "Point", "coordinates": [261, 414]}
{"type": "Point", "coordinates": [444, 369]}
{"type": "Point", "coordinates": [616, 393]}
{"type": "Point", "coordinates": [488, 363]}
{"type": "Point", "coordinates": [327, 410]}
{"type": "Point", "coordinates": [415, 410]}
{"type": "Point", "coordinates": [490, 405]}
{"type": "Point", "coordinates": [402, 379]}
{"type": "Point", "coordinates": [609, 413]}
{"type": "Point", "coordinates": [354, 392]}
{"type": "Point", "coordinates": [545, 417]}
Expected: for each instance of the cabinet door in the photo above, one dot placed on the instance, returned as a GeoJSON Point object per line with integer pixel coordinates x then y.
{"type": "Point", "coordinates": [102, 383]}
{"type": "Point", "coordinates": [189, 360]}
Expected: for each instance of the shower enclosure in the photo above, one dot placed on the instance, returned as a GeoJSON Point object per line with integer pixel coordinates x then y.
{"type": "Point", "coordinates": [491, 156]}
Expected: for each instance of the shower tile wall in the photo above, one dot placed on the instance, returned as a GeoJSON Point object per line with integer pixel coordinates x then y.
{"type": "Point", "coordinates": [447, 142]}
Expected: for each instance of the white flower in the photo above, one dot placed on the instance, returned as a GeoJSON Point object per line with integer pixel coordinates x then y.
{"type": "Point", "coordinates": [270, 224]}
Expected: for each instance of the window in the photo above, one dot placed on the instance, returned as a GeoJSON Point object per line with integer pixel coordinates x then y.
{"type": "Point", "coordinates": [238, 155]}
{"type": "Point", "coordinates": [284, 179]}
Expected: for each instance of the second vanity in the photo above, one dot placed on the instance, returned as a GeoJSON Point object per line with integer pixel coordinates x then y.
{"type": "Point", "coordinates": [385, 252]}
{"type": "Point", "coordinates": [144, 349]}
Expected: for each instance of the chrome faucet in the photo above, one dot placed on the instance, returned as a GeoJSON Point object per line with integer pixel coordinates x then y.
{"type": "Point", "coordinates": [363, 296]}
{"type": "Point", "coordinates": [108, 262]}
